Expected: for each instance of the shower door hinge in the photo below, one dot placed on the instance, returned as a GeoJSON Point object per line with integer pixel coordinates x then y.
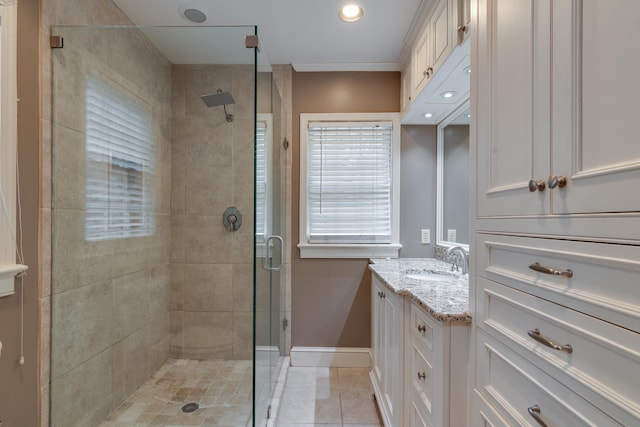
{"type": "Point", "coordinates": [252, 41]}
{"type": "Point", "coordinates": [285, 143]}
{"type": "Point", "coordinates": [285, 324]}
{"type": "Point", "coordinates": [56, 42]}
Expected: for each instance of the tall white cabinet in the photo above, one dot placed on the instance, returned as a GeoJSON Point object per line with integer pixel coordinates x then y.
{"type": "Point", "coordinates": [556, 96]}
{"type": "Point", "coordinates": [555, 283]}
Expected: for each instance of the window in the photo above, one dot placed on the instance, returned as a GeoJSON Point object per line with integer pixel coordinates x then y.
{"type": "Point", "coordinates": [263, 175]}
{"type": "Point", "coordinates": [120, 165]}
{"type": "Point", "coordinates": [349, 175]}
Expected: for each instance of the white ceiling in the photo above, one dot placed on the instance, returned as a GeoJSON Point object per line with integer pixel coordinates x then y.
{"type": "Point", "coordinates": [305, 33]}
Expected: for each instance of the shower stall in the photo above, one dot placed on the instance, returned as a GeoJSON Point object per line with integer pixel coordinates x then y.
{"type": "Point", "coordinates": [167, 224]}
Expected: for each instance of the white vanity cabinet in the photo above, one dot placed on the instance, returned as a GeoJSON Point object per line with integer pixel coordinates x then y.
{"type": "Point", "coordinates": [387, 310]}
{"type": "Point", "coordinates": [436, 356]}
{"type": "Point", "coordinates": [556, 94]}
{"type": "Point", "coordinates": [419, 364]}
{"type": "Point", "coordinates": [555, 271]}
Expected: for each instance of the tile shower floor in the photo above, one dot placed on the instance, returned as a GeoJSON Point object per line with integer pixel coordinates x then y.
{"type": "Point", "coordinates": [327, 397]}
{"type": "Point", "coordinates": [222, 388]}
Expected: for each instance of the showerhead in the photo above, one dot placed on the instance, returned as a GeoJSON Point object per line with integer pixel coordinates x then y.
{"type": "Point", "coordinates": [218, 98]}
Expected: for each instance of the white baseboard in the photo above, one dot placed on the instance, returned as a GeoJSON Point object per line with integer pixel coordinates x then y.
{"type": "Point", "coordinates": [334, 357]}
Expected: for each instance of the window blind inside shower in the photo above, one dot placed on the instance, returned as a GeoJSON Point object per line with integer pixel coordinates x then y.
{"type": "Point", "coordinates": [119, 164]}
{"type": "Point", "coordinates": [262, 177]}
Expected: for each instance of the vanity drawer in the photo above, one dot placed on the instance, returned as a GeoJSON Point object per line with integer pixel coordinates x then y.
{"type": "Point", "coordinates": [602, 362]}
{"type": "Point", "coordinates": [421, 376]}
{"type": "Point", "coordinates": [423, 328]}
{"type": "Point", "coordinates": [520, 392]}
{"type": "Point", "coordinates": [604, 282]}
{"type": "Point", "coordinates": [417, 416]}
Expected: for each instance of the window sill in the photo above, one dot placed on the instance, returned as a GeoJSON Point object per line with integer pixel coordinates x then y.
{"type": "Point", "coordinates": [7, 277]}
{"type": "Point", "coordinates": [349, 251]}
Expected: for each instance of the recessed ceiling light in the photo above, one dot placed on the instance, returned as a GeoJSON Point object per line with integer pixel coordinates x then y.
{"type": "Point", "coordinates": [469, 115]}
{"type": "Point", "coordinates": [448, 95]}
{"type": "Point", "coordinates": [467, 70]}
{"type": "Point", "coordinates": [351, 13]}
{"type": "Point", "coordinates": [428, 115]}
{"type": "Point", "coordinates": [195, 15]}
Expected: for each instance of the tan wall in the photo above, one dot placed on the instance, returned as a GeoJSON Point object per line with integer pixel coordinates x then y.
{"type": "Point", "coordinates": [18, 384]}
{"type": "Point", "coordinates": [331, 298]}
{"type": "Point", "coordinates": [212, 169]}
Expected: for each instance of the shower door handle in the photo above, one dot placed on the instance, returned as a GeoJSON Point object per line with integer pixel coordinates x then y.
{"type": "Point", "coordinates": [267, 252]}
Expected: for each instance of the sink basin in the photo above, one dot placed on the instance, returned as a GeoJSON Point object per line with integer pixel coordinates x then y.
{"type": "Point", "coordinates": [432, 277]}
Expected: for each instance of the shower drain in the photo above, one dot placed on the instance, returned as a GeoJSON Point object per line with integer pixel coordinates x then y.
{"type": "Point", "coordinates": [190, 407]}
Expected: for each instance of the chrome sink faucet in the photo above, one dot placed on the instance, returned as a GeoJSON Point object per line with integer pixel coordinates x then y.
{"type": "Point", "coordinates": [457, 256]}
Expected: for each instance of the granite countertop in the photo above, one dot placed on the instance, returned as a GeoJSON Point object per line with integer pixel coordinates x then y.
{"type": "Point", "coordinates": [446, 300]}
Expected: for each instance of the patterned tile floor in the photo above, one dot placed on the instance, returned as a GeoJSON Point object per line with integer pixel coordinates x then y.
{"type": "Point", "coordinates": [327, 397]}
{"type": "Point", "coordinates": [221, 388]}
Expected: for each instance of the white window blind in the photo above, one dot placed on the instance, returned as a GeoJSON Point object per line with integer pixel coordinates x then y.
{"type": "Point", "coordinates": [349, 182]}
{"type": "Point", "coordinates": [120, 165]}
{"type": "Point", "coordinates": [263, 131]}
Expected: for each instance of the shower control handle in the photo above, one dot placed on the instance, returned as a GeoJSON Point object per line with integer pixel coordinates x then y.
{"type": "Point", "coordinates": [232, 219]}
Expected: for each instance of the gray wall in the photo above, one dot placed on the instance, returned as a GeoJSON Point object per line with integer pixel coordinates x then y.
{"type": "Point", "coordinates": [417, 190]}
{"type": "Point", "coordinates": [456, 182]}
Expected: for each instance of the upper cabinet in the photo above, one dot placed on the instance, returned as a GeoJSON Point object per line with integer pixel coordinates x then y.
{"type": "Point", "coordinates": [547, 146]}
{"type": "Point", "coordinates": [434, 44]}
{"type": "Point", "coordinates": [434, 58]}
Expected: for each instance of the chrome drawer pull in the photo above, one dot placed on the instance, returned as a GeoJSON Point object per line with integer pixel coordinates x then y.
{"type": "Point", "coordinates": [535, 334]}
{"type": "Point", "coordinates": [546, 270]}
{"type": "Point", "coordinates": [534, 411]}
{"type": "Point", "coordinates": [422, 328]}
{"type": "Point", "coordinates": [422, 375]}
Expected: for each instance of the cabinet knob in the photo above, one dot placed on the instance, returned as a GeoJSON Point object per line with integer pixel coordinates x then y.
{"type": "Point", "coordinates": [557, 181]}
{"type": "Point", "coordinates": [534, 411]}
{"type": "Point", "coordinates": [429, 71]}
{"type": "Point", "coordinates": [462, 29]}
{"type": "Point", "coordinates": [422, 375]}
{"type": "Point", "coordinates": [425, 73]}
{"type": "Point", "coordinates": [536, 185]}
{"type": "Point", "coordinates": [422, 328]}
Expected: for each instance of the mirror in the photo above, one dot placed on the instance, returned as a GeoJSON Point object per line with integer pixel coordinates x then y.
{"type": "Point", "coordinates": [453, 179]}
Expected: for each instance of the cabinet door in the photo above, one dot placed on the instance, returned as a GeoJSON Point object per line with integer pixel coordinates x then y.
{"type": "Point", "coordinates": [595, 94]}
{"type": "Point", "coordinates": [377, 321]}
{"type": "Point", "coordinates": [392, 365]}
{"type": "Point", "coordinates": [510, 84]}
{"type": "Point", "coordinates": [464, 19]}
{"type": "Point", "coordinates": [406, 88]}
{"type": "Point", "coordinates": [420, 59]}
{"type": "Point", "coordinates": [442, 34]}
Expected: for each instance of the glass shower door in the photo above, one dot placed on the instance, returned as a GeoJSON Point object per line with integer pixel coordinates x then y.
{"type": "Point", "coordinates": [269, 243]}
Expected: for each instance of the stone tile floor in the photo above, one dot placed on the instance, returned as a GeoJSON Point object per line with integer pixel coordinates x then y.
{"type": "Point", "coordinates": [327, 397]}
{"type": "Point", "coordinates": [222, 389]}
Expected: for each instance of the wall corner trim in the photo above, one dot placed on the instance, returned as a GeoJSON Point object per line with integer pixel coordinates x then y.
{"type": "Point", "coordinates": [334, 357]}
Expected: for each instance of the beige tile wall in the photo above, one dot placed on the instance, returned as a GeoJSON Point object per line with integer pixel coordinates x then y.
{"type": "Point", "coordinates": [109, 299]}
{"type": "Point", "coordinates": [212, 169]}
